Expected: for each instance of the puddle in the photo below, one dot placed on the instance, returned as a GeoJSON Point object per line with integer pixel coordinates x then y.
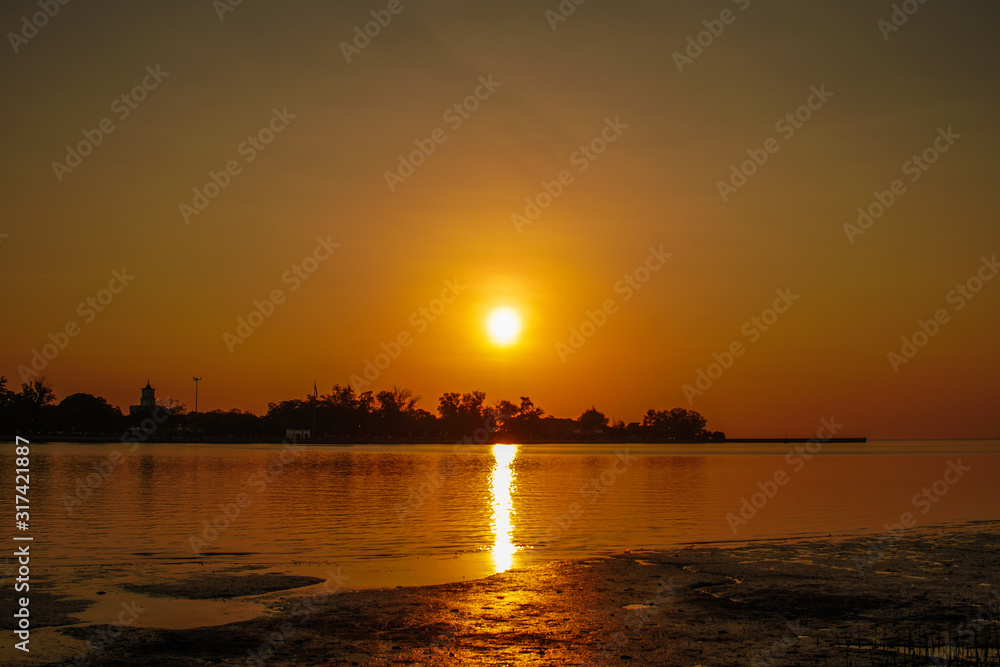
{"type": "Point", "coordinates": [142, 611]}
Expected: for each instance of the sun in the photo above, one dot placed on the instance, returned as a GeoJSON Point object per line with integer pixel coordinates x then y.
{"type": "Point", "coordinates": [503, 325]}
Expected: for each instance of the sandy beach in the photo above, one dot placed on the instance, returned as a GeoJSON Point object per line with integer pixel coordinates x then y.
{"type": "Point", "coordinates": [828, 601]}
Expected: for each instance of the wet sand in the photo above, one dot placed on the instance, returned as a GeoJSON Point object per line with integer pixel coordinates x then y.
{"type": "Point", "coordinates": [221, 586]}
{"type": "Point", "coordinates": [823, 601]}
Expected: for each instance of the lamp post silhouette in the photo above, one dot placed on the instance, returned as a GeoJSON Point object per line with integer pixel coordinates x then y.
{"type": "Point", "coordinates": [196, 381]}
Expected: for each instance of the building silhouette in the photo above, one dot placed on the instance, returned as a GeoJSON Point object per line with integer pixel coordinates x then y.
{"type": "Point", "coordinates": [146, 402]}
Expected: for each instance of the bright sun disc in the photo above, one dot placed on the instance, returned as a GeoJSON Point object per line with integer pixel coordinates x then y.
{"type": "Point", "coordinates": [503, 325]}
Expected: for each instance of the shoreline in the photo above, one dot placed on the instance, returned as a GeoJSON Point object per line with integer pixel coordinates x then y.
{"type": "Point", "coordinates": [785, 600]}
{"type": "Point", "coordinates": [98, 440]}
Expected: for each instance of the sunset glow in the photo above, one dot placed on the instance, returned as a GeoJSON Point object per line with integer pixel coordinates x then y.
{"type": "Point", "coordinates": [476, 333]}
{"type": "Point", "coordinates": [501, 489]}
{"type": "Point", "coordinates": [634, 205]}
{"type": "Point", "coordinates": [504, 326]}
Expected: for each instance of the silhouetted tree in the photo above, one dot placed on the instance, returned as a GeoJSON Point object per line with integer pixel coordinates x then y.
{"type": "Point", "coordinates": [528, 414]}
{"type": "Point", "coordinates": [462, 414]}
{"type": "Point", "coordinates": [366, 411]}
{"type": "Point", "coordinates": [518, 422]}
{"type": "Point", "coordinates": [423, 424]}
{"type": "Point", "coordinates": [295, 413]}
{"type": "Point", "coordinates": [395, 411]}
{"type": "Point", "coordinates": [592, 419]}
{"type": "Point", "coordinates": [6, 406]}
{"type": "Point", "coordinates": [675, 424]}
{"type": "Point", "coordinates": [86, 413]}
{"type": "Point", "coordinates": [225, 424]}
{"type": "Point", "coordinates": [341, 414]}
{"type": "Point", "coordinates": [173, 406]}
{"type": "Point", "coordinates": [32, 407]}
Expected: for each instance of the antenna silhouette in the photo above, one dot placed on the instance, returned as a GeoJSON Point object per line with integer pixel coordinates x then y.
{"type": "Point", "coordinates": [196, 381]}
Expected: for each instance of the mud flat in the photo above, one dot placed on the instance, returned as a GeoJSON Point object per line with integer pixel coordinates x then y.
{"type": "Point", "coordinates": [822, 601]}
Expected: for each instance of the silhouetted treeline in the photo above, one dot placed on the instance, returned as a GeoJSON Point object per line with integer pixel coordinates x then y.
{"type": "Point", "coordinates": [342, 415]}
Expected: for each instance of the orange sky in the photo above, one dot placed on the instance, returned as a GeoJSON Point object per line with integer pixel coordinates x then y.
{"type": "Point", "coordinates": [607, 77]}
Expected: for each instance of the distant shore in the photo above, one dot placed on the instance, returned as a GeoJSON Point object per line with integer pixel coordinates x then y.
{"type": "Point", "coordinates": [847, 600]}
{"type": "Point", "coordinates": [54, 438]}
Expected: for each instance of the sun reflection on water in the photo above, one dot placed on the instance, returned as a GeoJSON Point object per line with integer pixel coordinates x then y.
{"type": "Point", "coordinates": [501, 488]}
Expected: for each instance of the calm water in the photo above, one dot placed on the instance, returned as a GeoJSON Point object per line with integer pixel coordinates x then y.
{"type": "Point", "coordinates": [392, 515]}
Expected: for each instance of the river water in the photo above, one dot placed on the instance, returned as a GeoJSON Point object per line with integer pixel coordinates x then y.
{"type": "Point", "coordinates": [424, 514]}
